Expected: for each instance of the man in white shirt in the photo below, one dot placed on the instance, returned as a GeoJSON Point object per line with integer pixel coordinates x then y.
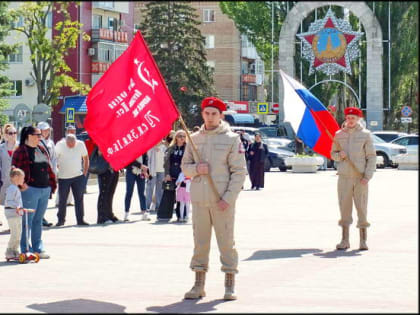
{"type": "Point", "coordinates": [70, 154]}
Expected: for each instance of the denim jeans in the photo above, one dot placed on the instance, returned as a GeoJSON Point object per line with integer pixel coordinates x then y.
{"type": "Point", "coordinates": [77, 185]}
{"type": "Point", "coordinates": [154, 184]}
{"type": "Point", "coordinates": [130, 180]}
{"type": "Point", "coordinates": [34, 198]}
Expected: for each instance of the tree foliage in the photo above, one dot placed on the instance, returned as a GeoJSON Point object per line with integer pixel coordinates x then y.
{"type": "Point", "coordinates": [5, 51]}
{"type": "Point", "coordinates": [254, 20]}
{"type": "Point", "coordinates": [50, 70]}
{"type": "Point", "coordinates": [170, 30]}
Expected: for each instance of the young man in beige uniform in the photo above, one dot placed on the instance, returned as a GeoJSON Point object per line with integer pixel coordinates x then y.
{"type": "Point", "coordinates": [354, 143]}
{"type": "Point", "coordinates": [221, 157]}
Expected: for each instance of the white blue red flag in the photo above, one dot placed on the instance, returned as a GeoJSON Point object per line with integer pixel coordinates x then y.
{"type": "Point", "coordinates": [311, 121]}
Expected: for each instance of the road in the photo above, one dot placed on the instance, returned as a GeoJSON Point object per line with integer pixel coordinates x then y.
{"type": "Point", "coordinates": [285, 236]}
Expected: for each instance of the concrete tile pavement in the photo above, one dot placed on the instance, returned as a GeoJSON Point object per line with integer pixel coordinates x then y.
{"type": "Point", "coordinates": [285, 236]}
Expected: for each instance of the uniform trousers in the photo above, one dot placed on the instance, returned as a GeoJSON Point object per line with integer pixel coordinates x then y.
{"type": "Point", "coordinates": [204, 217]}
{"type": "Point", "coordinates": [349, 189]}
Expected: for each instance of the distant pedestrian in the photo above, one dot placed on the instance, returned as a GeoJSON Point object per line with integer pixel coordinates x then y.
{"type": "Point", "coordinates": [172, 166]}
{"type": "Point", "coordinates": [7, 147]}
{"type": "Point", "coordinates": [136, 173]}
{"type": "Point", "coordinates": [49, 146]}
{"type": "Point", "coordinates": [257, 153]}
{"type": "Point", "coordinates": [13, 210]}
{"type": "Point", "coordinates": [40, 181]}
{"type": "Point", "coordinates": [107, 182]}
{"type": "Point", "coordinates": [156, 157]}
{"type": "Point", "coordinates": [183, 196]}
{"type": "Point", "coordinates": [73, 165]}
{"type": "Point", "coordinates": [353, 143]}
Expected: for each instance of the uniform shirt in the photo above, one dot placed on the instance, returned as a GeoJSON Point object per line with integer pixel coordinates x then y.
{"type": "Point", "coordinates": [70, 159]}
{"type": "Point", "coordinates": [13, 197]}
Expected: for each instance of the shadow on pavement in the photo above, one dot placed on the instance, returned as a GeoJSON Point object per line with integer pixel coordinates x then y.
{"type": "Point", "coordinates": [339, 253]}
{"type": "Point", "coordinates": [187, 306]}
{"type": "Point", "coordinates": [78, 306]}
{"type": "Point", "coordinates": [282, 253]}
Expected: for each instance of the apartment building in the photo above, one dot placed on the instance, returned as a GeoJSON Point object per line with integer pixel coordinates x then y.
{"type": "Point", "coordinates": [110, 26]}
{"type": "Point", "coordinates": [238, 70]}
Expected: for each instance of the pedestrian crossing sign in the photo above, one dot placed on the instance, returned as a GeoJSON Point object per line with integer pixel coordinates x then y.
{"type": "Point", "coordinates": [69, 115]}
{"type": "Point", "coordinates": [262, 108]}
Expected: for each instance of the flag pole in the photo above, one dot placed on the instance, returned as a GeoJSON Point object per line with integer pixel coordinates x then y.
{"type": "Point", "coordinates": [330, 136]}
{"type": "Point", "coordinates": [213, 186]}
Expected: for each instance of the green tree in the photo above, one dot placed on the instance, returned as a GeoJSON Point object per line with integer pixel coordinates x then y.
{"type": "Point", "coordinates": [50, 70]}
{"type": "Point", "coordinates": [5, 51]}
{"type": "Point", "coordinates": [170, 30]}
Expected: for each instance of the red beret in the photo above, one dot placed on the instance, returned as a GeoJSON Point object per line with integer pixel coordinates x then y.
{"type": "Point", "coordinates": [213, 102]}
{"type": "Point", "coordinates": [353, 111]}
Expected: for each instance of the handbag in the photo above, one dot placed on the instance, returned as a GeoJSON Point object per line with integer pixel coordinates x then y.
{"type": "Point", "coordinates": [97, 164]}
{"type": "Point", "coordinates": [169, 185]}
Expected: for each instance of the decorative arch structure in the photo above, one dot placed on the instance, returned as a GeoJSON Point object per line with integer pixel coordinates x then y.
{"type": "Point", "coordinates": [372, 28]}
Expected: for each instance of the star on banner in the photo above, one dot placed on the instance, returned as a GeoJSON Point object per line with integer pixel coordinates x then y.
{"type": "Point", "coordinates": [330, 45]}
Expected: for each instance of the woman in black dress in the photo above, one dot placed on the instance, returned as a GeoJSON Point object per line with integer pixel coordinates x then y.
{"type": "Point", "coordinates": [257, 153]}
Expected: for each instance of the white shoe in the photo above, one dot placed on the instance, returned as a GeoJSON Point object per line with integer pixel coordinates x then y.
{"type": "Point", "coordinates": [44, 255]}
{"type": "Point", "coordinates": [126, 219]}
{"type": "Point", "coordinates": [145, 217]}
{"type": "Point", "coordinates": [108, 221]}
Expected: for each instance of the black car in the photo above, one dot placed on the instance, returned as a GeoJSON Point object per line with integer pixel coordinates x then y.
{"type": "Point", "coordinates": [274, 160]}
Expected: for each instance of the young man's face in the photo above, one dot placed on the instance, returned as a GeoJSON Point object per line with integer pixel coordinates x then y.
{"type": "Point", "coordinates": [352, 120]}
{"type": "Point", "coordinates": [212, 117]}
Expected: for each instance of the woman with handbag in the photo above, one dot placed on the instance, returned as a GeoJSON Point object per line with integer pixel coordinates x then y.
{"type": "Point", "coordinates": [107, 180]}
{"type": "Point", "coordinates": [172, 166]}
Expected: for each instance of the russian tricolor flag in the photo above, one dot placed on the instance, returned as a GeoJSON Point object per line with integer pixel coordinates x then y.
{"type": "Point", "coordinates": [309, 118]}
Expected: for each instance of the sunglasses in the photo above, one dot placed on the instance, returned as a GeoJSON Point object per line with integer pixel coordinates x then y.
{"type": "Point", "coordinates": [36, 134]}
{"type": "Point", "coordinates": [180, 136]}
{"type": "Point", "coordinates": [12, 133]}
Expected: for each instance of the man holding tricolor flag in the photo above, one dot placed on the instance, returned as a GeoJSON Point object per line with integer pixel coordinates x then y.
{"type": "Point", "coordinates": [351, 147]}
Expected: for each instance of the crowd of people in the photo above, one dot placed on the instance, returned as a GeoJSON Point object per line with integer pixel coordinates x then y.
{"type": "Point", "coordinates": [171, 177]}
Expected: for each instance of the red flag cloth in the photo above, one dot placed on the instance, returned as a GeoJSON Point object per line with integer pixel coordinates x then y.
{"type": "Point", "coordinates": [130, 108]}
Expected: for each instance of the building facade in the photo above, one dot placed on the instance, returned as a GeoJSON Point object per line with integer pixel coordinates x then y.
{"type": "Point", "coordinates": [238, 70]}
{"type": "Point", "coordinates": [110, 26]}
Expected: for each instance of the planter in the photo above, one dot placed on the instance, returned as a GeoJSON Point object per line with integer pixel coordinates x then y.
{"type": "Point", "coordinates": [305, 164]}
{"type": "Point", "coordinates": [407, 161]}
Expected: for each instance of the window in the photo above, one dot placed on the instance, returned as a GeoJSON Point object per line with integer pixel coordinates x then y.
{"type": "Point", "coordinates": [105, 52]}
{"type": "Point", "coordinates": [413, 141]}
{"type": "Point", "coordinates": [211, 64]}
{"type": "Point", "coordinates": [112, 23]}
{"type": "Point", "coordinates": [17, 56]}
{"type": "Point", "coordinates": [17, 87]}
{"type": "Point", "coordinates": [249, 92]}
{"type": "Point", "coordinates": [259, 66]}
{"type": "Point", "coordinates": [119, 50]}
{"type": "Point", "coordinates": [208, 15]}
{"type": "Point", "coordinates": [209, 41]}
{"type": "Point", "coordinates": [96, 21]}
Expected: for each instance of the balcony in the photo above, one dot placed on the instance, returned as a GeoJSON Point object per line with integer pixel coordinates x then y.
{"type": "Point", "coordinates": [249, 78]}
{"type": "Point", "coordinates": [100, 67]}
{"type": "Point", "coordinates": [109, 35]}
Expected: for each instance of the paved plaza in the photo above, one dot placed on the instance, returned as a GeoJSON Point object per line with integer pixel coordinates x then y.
{"type": "Point", "coordinates": [285, 236]}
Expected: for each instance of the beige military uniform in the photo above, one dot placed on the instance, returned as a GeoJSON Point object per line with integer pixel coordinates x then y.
{"type": "Point", "coordinates": [223, 151]}
{"type": "Point", "coordinates": [358, 145]}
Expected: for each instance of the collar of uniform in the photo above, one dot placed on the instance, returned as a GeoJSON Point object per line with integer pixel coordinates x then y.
{"type": "Point", "coordinates": [351, 130]}
{"type": "Point", "coordinates": [223, 128]}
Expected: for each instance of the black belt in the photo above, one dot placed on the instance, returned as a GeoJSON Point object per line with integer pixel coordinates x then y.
{"type": "Point", "coordinates": [9, 208]}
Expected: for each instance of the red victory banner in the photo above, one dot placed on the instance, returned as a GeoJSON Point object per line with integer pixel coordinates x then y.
{"type": "Point", "coordinates": [130, 108]}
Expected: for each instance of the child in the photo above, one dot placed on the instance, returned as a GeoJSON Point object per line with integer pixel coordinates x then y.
{"type": "Point", "coordinates": [13, 211]}
{"type": "Point", "coordinates": [183, 196]}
